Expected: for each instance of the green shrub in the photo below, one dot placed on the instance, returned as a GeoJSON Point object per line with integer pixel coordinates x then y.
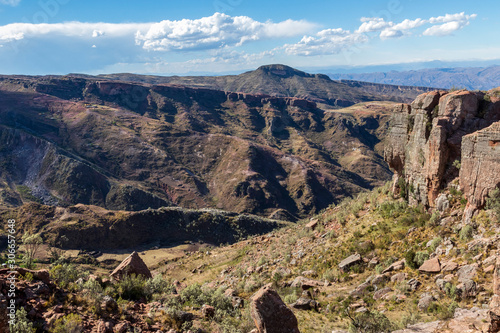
{"type": "Point", "coordinates": [410, 259]}
{"type": "Point", "coordinates": [71, 323]}
{"type": "Point", "coordinates": [65, 274]}
{"type": "Point", "coordinates": [157, 286]}
{"type": "Point", "coordinates": [466, 233]}
{"type": "Point", "coordinates": [22, 324]}
{"type": "Point", "coordinates": [132, 287]}
{"type": "Point", "coordinates": [493, 202]}
{"type": "Point", "coordinates": [420, 257]}
{"type": "Point", "coordinates": [435, 243]}
{"type": "Point", "coordinates": [370, 322]}
{"type": "Point", "coordinates": [291, 298]}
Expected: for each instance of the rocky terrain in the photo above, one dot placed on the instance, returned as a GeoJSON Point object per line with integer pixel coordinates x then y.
{"type": "Point", "coordinates": [473, 78]}
{"type": "Point", "coordinates": [284, 81]}
{"type": "Point", "coordinates": [419, 254]}
{"type": "Point", "coordinates": [133, 146]}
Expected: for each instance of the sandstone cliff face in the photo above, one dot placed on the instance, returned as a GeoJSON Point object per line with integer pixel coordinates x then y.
{"type": "Point", "coordinates": [480, 169]}
{"type": "Point", "coordinates": [425, 140]}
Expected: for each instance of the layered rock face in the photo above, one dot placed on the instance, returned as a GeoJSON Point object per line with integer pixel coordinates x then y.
{"type": "Point", "coordinates": [425, 140]}
{"type": "Point", "coordinates": [480, 167]}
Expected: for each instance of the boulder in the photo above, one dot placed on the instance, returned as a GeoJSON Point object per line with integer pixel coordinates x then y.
{"type": "Point", "coordinates": [381, 293]}
{"type": "Point", "coordinates": [399, 277]}
{"type": "Point", "coordinates": [208, 311]}
{"type": "Point", "coordinates": [467, 272]}
{"type": "Point", "coordinates": [449, 266]}
{"type": "Point", "coordinates": [430, 266]}
{"type": "Point", "coordinates": [396, 266]}
{"type": "Point", "coordinates": [414, 284]}
{"type": "Point", "coordinates": [306, 283]}
{"type": "Point", "coordinates": [304, 303]}
{"type": "Point", "coordinates": [425, 301]}
{"type": "Point", "coordinates": [468, 288]}
{"type": "Point", "coordinates": [494, 315]}
{"type": "Point", "coordinates": [442, 202]}
{"type": "Point", "coordinates": [133, 264]}
{"type": "Point", "coordinates": [270, 314]}
{"type": "Point", "coordinates": [350, 261]}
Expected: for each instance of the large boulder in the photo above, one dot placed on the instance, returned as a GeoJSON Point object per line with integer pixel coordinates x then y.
{"type": "Point", "coordinates": [270, 313]}
{"type": "Point", "coordinates": [133, 264]}
{"type": "Point", "coordinates": [350, 261]}
{"type": "Point", "coordinates": [430, 266]}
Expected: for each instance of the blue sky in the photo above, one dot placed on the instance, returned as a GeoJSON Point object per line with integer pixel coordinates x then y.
{"type": "Point", "coordinates": [220, 36]}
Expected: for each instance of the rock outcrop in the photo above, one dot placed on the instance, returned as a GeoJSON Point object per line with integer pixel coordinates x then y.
{"type": "Point", "coordinates": [133, 264]}
{"type": "Point", "coordinates": [270, 313]}
{"type": "Point", "coordinates": [480, 166]}
{"type": "Point", "coordinates": [425, 140]}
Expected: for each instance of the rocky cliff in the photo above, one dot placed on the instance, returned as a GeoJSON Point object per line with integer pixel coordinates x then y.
{"type": "Point", "coordinates": [130, 146]}
{"type": "Point", "coordinates": [443, 135]}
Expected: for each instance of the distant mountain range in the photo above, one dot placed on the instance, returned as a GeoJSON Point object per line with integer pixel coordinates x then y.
{"type": "Point", "coordinates": [472, 78]}
{"type": "Point", "coordinates": [283, 81]}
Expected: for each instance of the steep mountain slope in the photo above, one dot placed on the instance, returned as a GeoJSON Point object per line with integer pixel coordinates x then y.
{"type": "Point", "coordinates": [131, 146]}
{"type": "Point", "coordinates": [473, 78]}
{"type": "Point", "coordinates": [284, 81]}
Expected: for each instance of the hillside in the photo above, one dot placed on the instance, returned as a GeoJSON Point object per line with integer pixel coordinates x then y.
{"type": "Point", "coordinates": [472, 78]}
{"type": "Point", "coordinates": [284, 81]}
{"type": "Point", "coordinates": [131, 146]}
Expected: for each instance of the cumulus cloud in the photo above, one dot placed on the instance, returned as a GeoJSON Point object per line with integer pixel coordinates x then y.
{"type": "Point", "coordinates": [215, 31]}
{"type": "Point", "coordinates": [329, 41]}
{"type": "Point", "coordinates": [10, 2]}
{"type": "Point", "coordinates": [211, 32]}
{"type": "Point", "coordinates": [450, 24]}
{"type": "Point", "coordinates": [442, 25]}
{"type": "Point", "coordinates": [371, 24]}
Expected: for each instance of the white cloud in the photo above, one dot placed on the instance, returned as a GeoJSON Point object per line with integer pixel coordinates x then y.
{"type": "Point", "coordinates": [10, 2]}
{"type": "Point", "coordinates": [371, 24]}
{"type": "Point", "coordinates": [215, 31]}
{"type": "Point", "coordinates": [98, 33]}
{"type": "Point", "coordinates": [329, 41]}
{"type": "Point", "coordinates": [71, 29]}
{"type": "Point", "coordinates": [399, 29]}
{"type": "Point", "coordinates": [450, 24]}
{"type": "Point", "coordinates": [211, 32]}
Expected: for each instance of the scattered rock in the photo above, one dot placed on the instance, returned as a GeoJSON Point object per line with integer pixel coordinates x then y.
{"type": "Point", "coordinates": [430, 266]}
{"type": "Point", "coordinates": [414, 284]}
{"type": "Point", "coordinates": [381, 293]}
{"type": "Point", "coordinates": [304, 303]}
{"type": "Point", "coordinates": [467, 272]}
{"type": "Point", "coordinates": [399, 277]}
{"type": "Point", "coordinates": [208, 311]}
{"type": "Point", "coordinates": [270, 314]}
{"type": "Point", "coordinates": [468, 288]}
{"type": "Point", "coordinates": [449, 266]}
{"type": "Point", "coordinates": [396, 266]}
{"type": "Point", "coordinates": [442, 202]}
{"type": "Point", "coordinates": [425, 301]}
{"type": "Point", "coordinates": [350, 261]}
{"type": "Point", "coordinates": [133, 264]}
{"type": "Point", "coordinates": [312, 224]}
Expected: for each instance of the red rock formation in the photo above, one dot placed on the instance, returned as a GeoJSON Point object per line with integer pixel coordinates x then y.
{"type": "Point", "coordinates": [480, 166]}
{"type": "Point", "coordinates": [426, 138]}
